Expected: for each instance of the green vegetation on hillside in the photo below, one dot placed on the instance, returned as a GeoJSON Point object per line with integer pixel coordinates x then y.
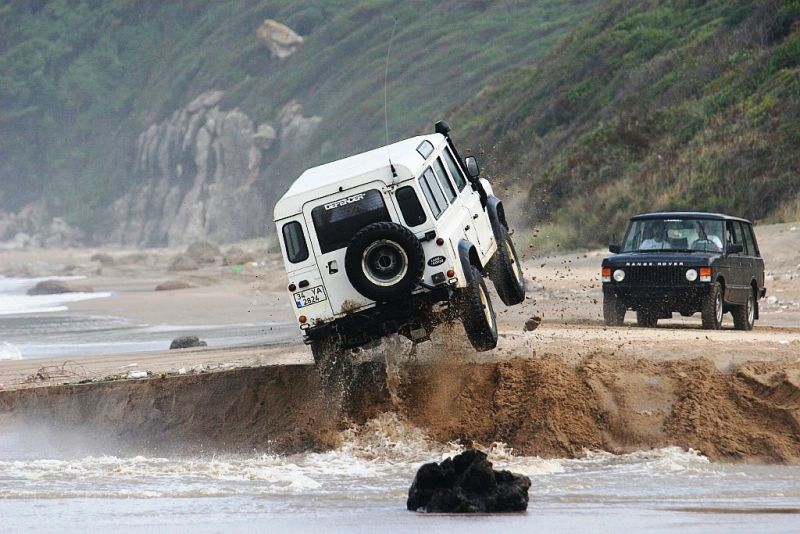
{"type": "Point", "coordinates": [680, 104]}
{"type": "Point", "coordinates": [80, 79]}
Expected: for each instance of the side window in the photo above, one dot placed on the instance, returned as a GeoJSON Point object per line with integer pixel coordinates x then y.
{"type": "Point", "coordinates": [455, 170]}
{"type": "Point", "coordinates": [749, 249]}
{"type": "Point", "coordinates": [738, 236]}
{"type": "Point", "coordinates": [410, 207]}
{"type": "Point", "coordinates": [447, 185]}
{"type": "Point", "coordinates": [751, 239]}
{"type": "Point", "coordinates": [295, 241]}
{"type": "Point", "coordinates": [729, 237]}
{"type": "Point", "coordinates": [433, 193]}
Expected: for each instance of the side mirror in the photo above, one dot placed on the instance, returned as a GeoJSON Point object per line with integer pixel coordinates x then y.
{"type": "Point", "coordinates": [735, 248]}
{"type": "Point", "coordinates": [614, 249]}
{"type": "Point", "coordinates": [473, 171]}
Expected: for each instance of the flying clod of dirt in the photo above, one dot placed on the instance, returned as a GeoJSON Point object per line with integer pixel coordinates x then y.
{"type": "Point", "coordinates": [532, 324]}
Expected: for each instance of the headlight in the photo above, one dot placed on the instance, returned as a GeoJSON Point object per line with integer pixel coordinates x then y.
{"type": "Point", "coordinates": [619, 275]}
{"type": "Point", "coordinates": [691, 275]}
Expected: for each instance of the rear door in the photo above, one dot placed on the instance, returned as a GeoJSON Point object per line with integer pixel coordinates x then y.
{"type": "Point", "coordinates": [735, 290]}
{"type": "Point", "coordinates": [332, 223]}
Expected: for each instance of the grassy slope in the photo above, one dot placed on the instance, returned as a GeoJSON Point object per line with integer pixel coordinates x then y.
{"type": "Point", "coordinates": [79, 79]}
{"type": "Point", "coordinates": [652, 105]}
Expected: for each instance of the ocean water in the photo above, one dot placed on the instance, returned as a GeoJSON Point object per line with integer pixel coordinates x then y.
{"type": "Point", "coordinates": [363, 485]}
{"type": "Point", "coordinates": [43, 326]}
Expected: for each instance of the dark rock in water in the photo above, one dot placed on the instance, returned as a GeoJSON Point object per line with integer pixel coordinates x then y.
{"type": "Point", "coordinates": [187, 342]}
{"type": "Point", "coordinates": [467, 484]}
{"type": "Point", "coordinates": [56, 287]}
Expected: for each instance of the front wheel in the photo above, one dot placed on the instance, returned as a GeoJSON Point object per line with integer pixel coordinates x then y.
{"type": "Point", "coordinates": [505, 272]}
{"type": "Point", "coordinates": [744, 317]}
{"type": "Point", "coordinates": [711, 311]}
{"type": "Point", "coordinates": [613, 310]}
{"type": "Point", "coordinates": [477, 314]}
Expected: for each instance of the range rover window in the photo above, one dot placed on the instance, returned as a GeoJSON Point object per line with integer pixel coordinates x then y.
{"type": "Point", "coordinates": [738, 236]}
{"type": "Point", "coordinates": [433, 193]}
{"type": "Point", "coordinates": [686, 234]}
{"type": "Point", "coordinates": [455, 170]}
{"type": "Point", "coordinates": [410, 207]}
{"type": "Point", "coordinates": [295, 242]}
{"type": "Point", "coordinates": [447, 185]}
{"type": "Point", "coordinates": [337, 221]}
{"type": "Point", "coordinates": [750, 238]}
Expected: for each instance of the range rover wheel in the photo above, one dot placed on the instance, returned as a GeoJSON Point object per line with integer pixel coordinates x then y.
{"type": "Point", "coordinates": [745, 316]}
{"type": "Point", "coordinates": [384, 261]}
{"type": "Point", "coordinates": [505, 272]}
{"type": "Point", "coordinates": [712, 308]}
{"type": "Point", "coordinates": [477, 314]}
{"type": "Point", "coordinates": [647, 319]}
{"type": "Point", "coordinates": [613, 310]}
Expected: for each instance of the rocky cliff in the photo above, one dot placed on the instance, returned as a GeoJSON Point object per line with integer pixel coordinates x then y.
{"type": "Point", "coordinates": [203, 173]}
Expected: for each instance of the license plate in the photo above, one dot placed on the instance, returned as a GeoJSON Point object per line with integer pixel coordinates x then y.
{"type": "Point", "coordinates": [309, 296]}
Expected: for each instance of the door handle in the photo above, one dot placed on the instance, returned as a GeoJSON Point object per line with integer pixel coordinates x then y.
{"type": "Point", "coordinates": [475, 216]}
{"type": "Point", "coordinates": [467, 227]}
{"type": "Point", "coordinates": [333, 267]}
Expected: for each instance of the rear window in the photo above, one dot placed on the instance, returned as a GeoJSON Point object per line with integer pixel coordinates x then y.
{"type": "Point", "coordinates": [336, 222]}
{"type": "Point", "coordinates": [295, 242]}
{"type": "Point", "coordinates": [412, 211]}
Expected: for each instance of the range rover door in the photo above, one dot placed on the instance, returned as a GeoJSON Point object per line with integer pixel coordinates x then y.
{"type": "Point", "coordinates": [332, 222]}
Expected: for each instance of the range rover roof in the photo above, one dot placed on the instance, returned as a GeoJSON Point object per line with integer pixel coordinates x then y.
{"type": "Point", "coordinates": [354, 170]}
{"type": "Point", "coordinates": [687, 215]}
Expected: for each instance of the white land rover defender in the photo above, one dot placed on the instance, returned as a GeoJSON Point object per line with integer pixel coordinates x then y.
{"type": "Point", "coordinates": [396, 240]}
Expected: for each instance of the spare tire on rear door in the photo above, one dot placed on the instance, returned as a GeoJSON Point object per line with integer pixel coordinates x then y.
{"type": "Point", "coordinates": [384, 261]}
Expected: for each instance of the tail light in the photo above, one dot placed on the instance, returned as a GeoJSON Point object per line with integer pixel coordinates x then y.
{"type": "Point", "coordinates": [606, 272]}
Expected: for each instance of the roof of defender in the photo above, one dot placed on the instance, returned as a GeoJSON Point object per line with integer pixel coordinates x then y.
{"type": "Point", "coordinates": [342, 174]}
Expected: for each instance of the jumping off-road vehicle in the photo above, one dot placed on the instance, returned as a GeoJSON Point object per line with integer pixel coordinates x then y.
{"type": "Point", "coordinates": [396, 240]}
{"type": "Point", "coordinates": [687, 263]}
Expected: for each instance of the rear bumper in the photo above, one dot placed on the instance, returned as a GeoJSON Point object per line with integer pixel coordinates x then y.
{"type": "Point", "coordinates": [363, 326]}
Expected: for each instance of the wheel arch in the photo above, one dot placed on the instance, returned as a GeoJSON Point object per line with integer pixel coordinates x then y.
{"type": "Point", "coordinates": [497, 217]}
{"type": "Point", "coordinates": [468, 256]}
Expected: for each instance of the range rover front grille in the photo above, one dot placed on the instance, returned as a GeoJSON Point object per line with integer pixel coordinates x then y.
{"type": "Point", "coordinates": [655, 275]}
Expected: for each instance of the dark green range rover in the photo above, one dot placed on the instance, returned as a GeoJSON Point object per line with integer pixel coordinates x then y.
{"type": "Point", "coordinates": [684, 262]}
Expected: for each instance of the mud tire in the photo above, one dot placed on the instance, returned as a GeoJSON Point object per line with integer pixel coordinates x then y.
{"type": "Point", "coordinates": [613, 310]}
{"type": "Point", "coordinates": [712, 310]}
{"type": "Point", "coordinates": [646, 319]}
{"type": "Point", "coordinates": [744, 317]}
{"type": "Point", "coordinates": [477, 313]}
{"type": "Point", "coordinates": [505, 271]}
{"type": "Point", "coordinates": [402, 246]}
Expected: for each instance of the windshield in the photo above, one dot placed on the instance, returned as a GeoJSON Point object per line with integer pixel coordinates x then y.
{"type": "Point", "coordinates": [673, 234]}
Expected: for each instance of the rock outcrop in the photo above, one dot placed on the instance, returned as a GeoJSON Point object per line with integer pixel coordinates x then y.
{"type": "Point", "coordinates": [33, 227]}
{"type": "Point", "coordinates": [281, 40]}
{"type": "Point", "coordinates": [201, 175]}
{"type": "Point", "coordinates": [467, 484]}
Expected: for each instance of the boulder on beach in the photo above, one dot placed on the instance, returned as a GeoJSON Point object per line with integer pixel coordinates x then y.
{"type": "Point", "coordinates": [182, 262]}
{"type": "Point", "coordinates": [103, 258]}
{"type": "Point", "coordinates": [203, 252]}
{"type": "Point", "coordinates": [56, 287]}
{"type": "Point", "coordinates": [237, 256]}
{"type": "Point", "coordinates": [467, 484]}
{"type": "Point", "coordinates": [172, 285]}
{"type": "Point", "coordinates": [187, 342]}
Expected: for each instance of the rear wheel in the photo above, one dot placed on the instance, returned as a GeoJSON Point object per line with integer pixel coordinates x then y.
{"type": "Point", "coordinates": [744, 317]}
{"type": "Point", "coordinates": [505, 272]}
{"type": "Point", "coordinates": [613, 310]}
{"type": "Point", "coordinates": [646, 318]}
{"type": "Point", "coordinates": [477, 314]}
{"type": "Point", "coordinates": [711, 311]}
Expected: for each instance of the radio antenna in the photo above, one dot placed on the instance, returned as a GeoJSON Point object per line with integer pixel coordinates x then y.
{"type": "Point", "coordinates": [385, 99]}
